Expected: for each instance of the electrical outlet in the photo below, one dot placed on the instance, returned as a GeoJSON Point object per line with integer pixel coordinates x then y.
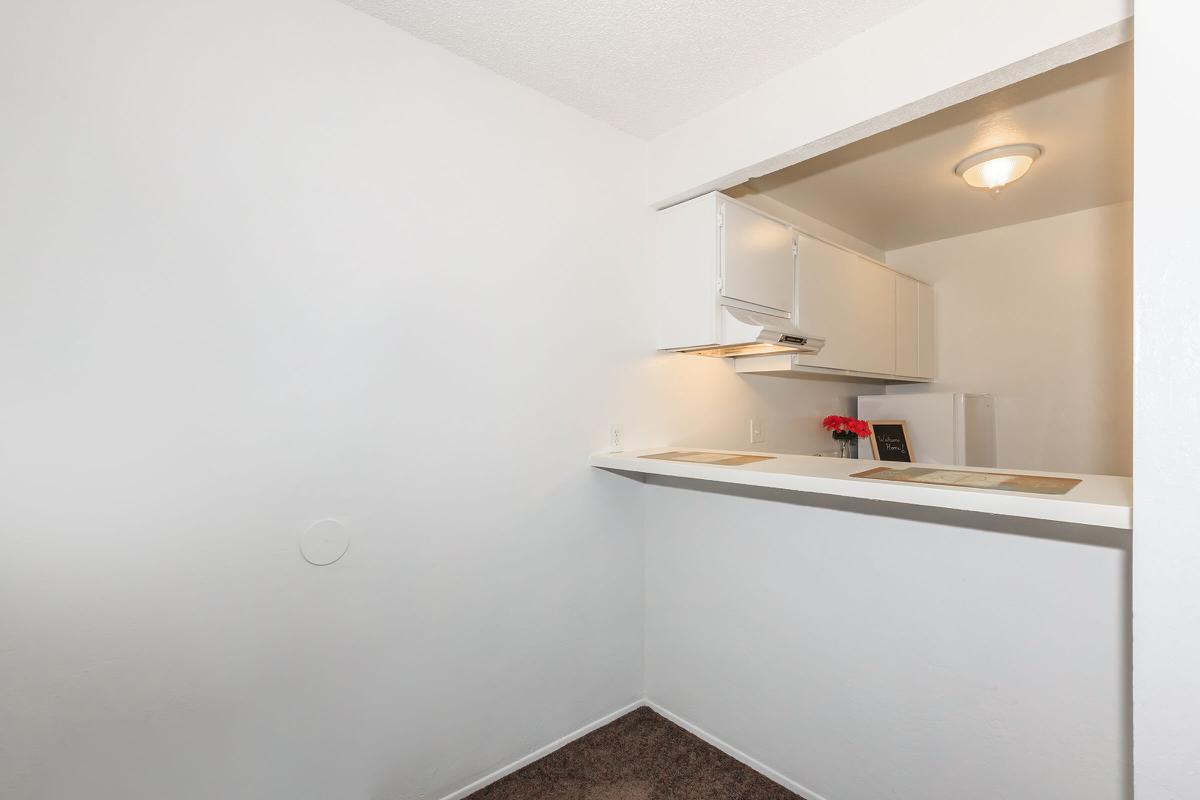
{"type": "Point", "coordinates": [757, 436]}
{"type": "Point", "coordinates": [616, 438]}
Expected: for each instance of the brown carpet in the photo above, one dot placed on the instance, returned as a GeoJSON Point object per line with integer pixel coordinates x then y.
{"type": "Point", "coordinates": [640, 756]}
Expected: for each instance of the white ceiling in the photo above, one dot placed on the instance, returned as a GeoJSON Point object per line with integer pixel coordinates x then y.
{"type": "Point", "coordinates": [642, 65]}
{"type": "Point", "coordinates": [898, 188]}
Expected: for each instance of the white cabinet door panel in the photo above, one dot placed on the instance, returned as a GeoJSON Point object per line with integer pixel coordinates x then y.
{"type": "Point", "coordinates": [925, 347]}
{"type": "Point", "coordinates": [851, 302]}
{"type": "Point", "coordinates": [825, 304]}
{"type": "Point", "coordinates": [875, 324]}
{"type": "Point", "coordinates": [757, 262]}
{"type": "Point", "coordinates": [907, 329]}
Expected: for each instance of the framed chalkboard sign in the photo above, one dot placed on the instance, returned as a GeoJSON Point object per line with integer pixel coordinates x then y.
{"type": "Point", "coordinates": [889, 440]}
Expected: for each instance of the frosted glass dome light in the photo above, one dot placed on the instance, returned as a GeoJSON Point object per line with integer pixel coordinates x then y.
{"type": "Point", "coordinates": [994, 169]}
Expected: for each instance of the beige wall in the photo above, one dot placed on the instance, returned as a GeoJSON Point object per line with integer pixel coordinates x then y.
{"type": "Point", "coordinates": [1040, 315]}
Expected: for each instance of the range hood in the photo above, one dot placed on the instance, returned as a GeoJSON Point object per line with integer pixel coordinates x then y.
{"type": "Point", "coordinates": [750, 333]}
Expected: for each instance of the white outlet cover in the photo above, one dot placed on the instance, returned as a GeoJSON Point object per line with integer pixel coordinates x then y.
{"type": "Point", "coordinates": [324, 542]}
{"type": "Point", "coordinates": [616, 437]}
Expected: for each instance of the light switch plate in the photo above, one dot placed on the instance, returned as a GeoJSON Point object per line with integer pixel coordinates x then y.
{"type": "Point", "coordinates": [757, 435]}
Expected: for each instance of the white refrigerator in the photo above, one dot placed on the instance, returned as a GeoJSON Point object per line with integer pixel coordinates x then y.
{"type": "Point", "coordinates": [943, 428]}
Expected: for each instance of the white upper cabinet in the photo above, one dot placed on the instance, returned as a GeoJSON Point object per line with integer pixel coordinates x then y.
{"type": "Point", "coordinates": [852, 300]}
{"type": "Point", "coordinates": [924, 331]}
{"type": "Point", "coordinates": [824, 274]}
{"type": "Point", "coordinates": [685, 263]}
{"type": "Point", "coordinates": [907, 327]}
{"type": "Point", "coordinates": [874, 313]}
{"type": "Point", "coordinates": [733, 281]}
{"type": "Point", "coordinates": [757, 259]}
{"type": "Point", "coordinates": [725, 280]}
{"type": "Point", "coordinates": [914, 328]}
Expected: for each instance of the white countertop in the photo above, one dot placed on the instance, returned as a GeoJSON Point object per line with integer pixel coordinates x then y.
{"type": "Point", "coordinates": [1104, 500]}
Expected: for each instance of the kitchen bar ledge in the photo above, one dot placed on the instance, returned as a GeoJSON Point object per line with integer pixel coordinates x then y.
{"type": "Point", "coordinates": [1103, 500]}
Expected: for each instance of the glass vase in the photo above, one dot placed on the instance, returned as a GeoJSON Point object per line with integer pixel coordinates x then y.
{"type": "Point", "coordinates": [843, 448]}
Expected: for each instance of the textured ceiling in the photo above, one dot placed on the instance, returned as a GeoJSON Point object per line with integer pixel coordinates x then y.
{"type": "Point", "coordinates": [898, 188]}
{"type": "Point", "coordinates": [641, 65]}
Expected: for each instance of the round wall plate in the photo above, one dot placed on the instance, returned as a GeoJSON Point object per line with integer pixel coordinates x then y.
{"type": "Point", "coordinates": [324, 542]}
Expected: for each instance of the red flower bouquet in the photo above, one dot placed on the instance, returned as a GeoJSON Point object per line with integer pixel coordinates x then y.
{"type": "Point", "coordinates": [846, 430]}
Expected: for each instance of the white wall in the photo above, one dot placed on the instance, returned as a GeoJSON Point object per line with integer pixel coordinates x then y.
{"type": "Point", "coordinates": [864, 656]}
{"type": "Point", "coordinates": [1040, 315]}
{"type": "Point", "coordinates": [695, 401]}
{"type": "Point", "coordinates": [1166, 596]}
{"type": "Point", "coordinates": [233, 302]}
{"type": "Point", "coordinates": [263, 267]}
{"type": "Point", "coordinates": [270, 261]}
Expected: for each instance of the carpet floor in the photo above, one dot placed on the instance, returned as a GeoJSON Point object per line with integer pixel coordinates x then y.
{"type": "Point", "coordinates": [640, 756]}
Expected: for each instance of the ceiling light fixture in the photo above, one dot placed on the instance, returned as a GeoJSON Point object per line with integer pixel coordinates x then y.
{"type": "Point", "coordinates": [994, 169]}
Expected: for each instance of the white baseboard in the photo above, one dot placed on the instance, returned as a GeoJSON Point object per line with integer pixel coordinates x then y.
{"type": "Point", "coordinates": [733, 752]}
{"type": "Point", "coordinates": [695, 730]}
{"type": "Point", "coordinates": [544, 751]}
